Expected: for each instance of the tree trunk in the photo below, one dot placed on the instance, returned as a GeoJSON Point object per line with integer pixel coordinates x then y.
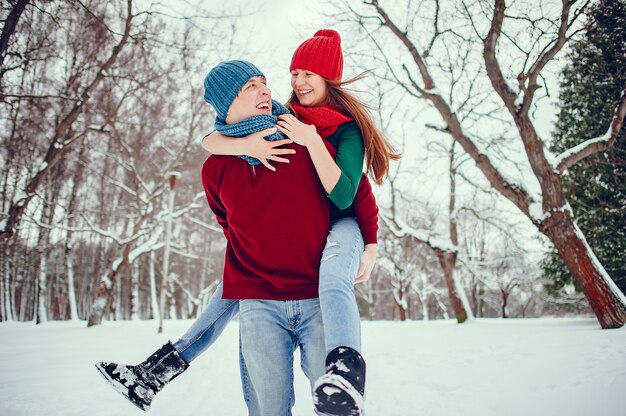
{"type": "Point", "coordinates": [104, 289]}
{"type": "Point", "coordinates": [606, 300]}
{"type": "Point", "coordinates": [402, 312]}
{"type": "Point", "coordinates": [71, 291]}
{"type": "Point", "coordinates": [7, 310]}
{"type": "Point", "coordinates": [42, 315]}
{"type": "Point", "coordinates": [134, 293]}
{"type": "Point", "coordinates": [9, 28]}
{"type": "Point", "coordinates": [447, 261]}
{"type": "Point", "coordinates": [154, 301]}
{"type": "Point", "coordinates": [505, 297]}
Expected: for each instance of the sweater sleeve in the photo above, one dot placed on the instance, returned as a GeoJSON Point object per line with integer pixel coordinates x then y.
{"type": "Point", "coordinates": [350, 155]}
{"type": "Point", "coordinates": [366, 211]}
{"type": "Point", "coordinates": [215, 203]}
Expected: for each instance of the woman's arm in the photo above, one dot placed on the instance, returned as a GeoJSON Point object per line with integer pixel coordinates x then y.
{"type": "Point", "coordinates": [306, 135]}
{"type": "Point", "coordinates": [340, 177]}
{"type": "Point", "coordinates": [366, 212]}
{"type": "Point", "coordinates": [367, 263]}
{"type": "Point", "coordinates": [253, 145]}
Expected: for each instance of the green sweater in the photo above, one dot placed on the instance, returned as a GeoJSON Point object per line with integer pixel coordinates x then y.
{"type": "Point", "coordinates": [350, 154]}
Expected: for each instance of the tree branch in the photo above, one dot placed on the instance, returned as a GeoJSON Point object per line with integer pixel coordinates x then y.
{"type": "Point", "coordinates": [592, 146]}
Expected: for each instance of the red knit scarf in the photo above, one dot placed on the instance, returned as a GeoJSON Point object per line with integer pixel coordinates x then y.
{"type": "Point", "coordinates": [326, 119]}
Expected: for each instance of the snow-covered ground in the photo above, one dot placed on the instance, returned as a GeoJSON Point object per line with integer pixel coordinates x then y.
{"type": "Point", "coordinates": [485, 368]}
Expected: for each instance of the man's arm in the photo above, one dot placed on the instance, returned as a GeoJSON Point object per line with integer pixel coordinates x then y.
{"type": "Point", "coordinates": [215, 203]}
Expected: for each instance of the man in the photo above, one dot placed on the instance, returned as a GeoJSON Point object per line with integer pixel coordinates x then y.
{"type": "Point", "coordinates": [275, 224]}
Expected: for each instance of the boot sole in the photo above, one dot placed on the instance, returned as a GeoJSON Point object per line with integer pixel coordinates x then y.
{"type": "Point", "coordinates": [120, 388]}
{"type": "Point", "coordinates": [323, 397]}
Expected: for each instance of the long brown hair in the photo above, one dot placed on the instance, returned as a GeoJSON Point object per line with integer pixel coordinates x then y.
{"type": "Point", "coordinates": [378, 150]}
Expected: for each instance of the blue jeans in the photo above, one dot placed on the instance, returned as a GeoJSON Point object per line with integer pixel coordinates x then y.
{"type": "Point", "coordinates": [341, 259]}
{"type": "Point", "coordinates": [207, 327]}
{"type": "Point", "coordinates": [269, 333]}
{"type": "Point", "coordinates": [340, 264]}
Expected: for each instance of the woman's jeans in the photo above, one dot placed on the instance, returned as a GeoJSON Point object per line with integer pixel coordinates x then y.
{"type": "Point", "coordinates": [207, 327]}
{"type": "Point", "coordinates": [269, 333]}
{"type": "Point", "coordinates": [340, 264]}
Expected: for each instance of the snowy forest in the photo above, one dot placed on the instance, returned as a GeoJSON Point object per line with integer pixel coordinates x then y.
{"type": "Point", "coordinates": [509, 199]}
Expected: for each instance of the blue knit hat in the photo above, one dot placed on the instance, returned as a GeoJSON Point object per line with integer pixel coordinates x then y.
{"type": "Point", "coordinates": [223, 83]}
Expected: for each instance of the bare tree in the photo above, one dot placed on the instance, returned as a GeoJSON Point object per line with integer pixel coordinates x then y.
{"type": "Point", "coordinates": [445, 248]}
{"type": "Point", "coordinates": [17, 8]}
{"type": "Point", "coordinates": [59, 144]}
{"type": "Point", "coordinates": [545, 36]}
{"type": "Point", "coordinates": [99, 106]}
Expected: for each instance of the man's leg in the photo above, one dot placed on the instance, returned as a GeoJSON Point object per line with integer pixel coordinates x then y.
{"type": "Point", "coordinates": [207, 327]}
{"type": "Point", "coordinates": [310, 333]}
{"type": "Point", "coordinates": [267, 345]}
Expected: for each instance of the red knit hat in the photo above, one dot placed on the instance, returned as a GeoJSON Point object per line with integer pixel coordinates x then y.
{"type": "Point", "coordinates": [320, 54]}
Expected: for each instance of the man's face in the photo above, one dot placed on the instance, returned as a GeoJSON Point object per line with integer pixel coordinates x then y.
{"type": "Point", "coordinates": [253, 99]}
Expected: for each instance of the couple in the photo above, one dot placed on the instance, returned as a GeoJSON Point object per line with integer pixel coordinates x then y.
{"type": "Point", "coordinates": [279, 252]}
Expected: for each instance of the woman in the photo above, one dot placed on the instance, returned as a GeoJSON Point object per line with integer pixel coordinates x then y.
{"type": "Point", "coordinates": [324, 112]}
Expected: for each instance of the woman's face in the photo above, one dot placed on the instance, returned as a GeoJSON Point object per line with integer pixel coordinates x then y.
{"type": "Point", "coordinates": [310, 88]}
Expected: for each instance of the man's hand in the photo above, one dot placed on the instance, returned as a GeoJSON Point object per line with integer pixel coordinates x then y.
{"type": "Point", "coordinates": [266, 150]}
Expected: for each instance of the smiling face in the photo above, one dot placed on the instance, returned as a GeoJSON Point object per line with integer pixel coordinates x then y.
{"type": "Point", "coordinates": [254, 99]}
{"type": "Point", "coordinates": [309, 88]}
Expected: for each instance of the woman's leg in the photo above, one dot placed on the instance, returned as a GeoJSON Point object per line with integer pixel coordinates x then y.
{"type": "Point", "coordinates": [207, 327]}
{"type": "Point", "coordinates": [338, 269]}
{"type": "Point", "coordinates": [140, 383]}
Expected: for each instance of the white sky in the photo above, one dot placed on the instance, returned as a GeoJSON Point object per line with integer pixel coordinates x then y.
{"type": "Point", "coordinates": [281, 25]}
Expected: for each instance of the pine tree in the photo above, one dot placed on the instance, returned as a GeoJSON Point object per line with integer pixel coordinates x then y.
{"type": "Point", "coordinates": [596, 188]}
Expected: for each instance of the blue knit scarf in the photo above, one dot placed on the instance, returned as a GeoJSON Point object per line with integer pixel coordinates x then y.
{"type": "Point", "coordinates": [252, 125]}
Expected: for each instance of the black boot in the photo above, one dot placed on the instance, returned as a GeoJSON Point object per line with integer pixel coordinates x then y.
{"type": "Point", "coordinates": [340, 391]}
{"type": "Point", "coordinates": [140, 383]}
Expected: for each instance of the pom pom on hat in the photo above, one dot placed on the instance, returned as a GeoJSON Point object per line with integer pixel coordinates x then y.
{"type": "Point", "coordinates": [320, 54]}
{"type": "Point", "coordinates": [223, 83]}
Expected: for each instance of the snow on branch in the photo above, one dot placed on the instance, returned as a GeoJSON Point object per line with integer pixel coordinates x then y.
{"type": "Point", "coordinates": [592, 146]}
{"type": "Point", "coordinates": [400, 229]}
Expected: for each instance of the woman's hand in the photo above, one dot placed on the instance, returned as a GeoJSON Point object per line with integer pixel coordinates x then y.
{"type": "Point", "coordinates": [367, 263]}
{"type": "Point", "coordinates": [252, 145]}
{"type": "Point", "coordinates": [266, 150]}
{"type": "Point", "coordinates": [300, 133]}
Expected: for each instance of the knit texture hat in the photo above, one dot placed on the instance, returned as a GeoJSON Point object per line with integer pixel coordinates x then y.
{"type": "Point", "coordinates": [320, 54]}
{"type": "Point", "coordinates": [223, 83]}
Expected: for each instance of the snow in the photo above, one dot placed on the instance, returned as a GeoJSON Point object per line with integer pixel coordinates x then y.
{"type": "Point", "coordinates": [536, 211]}
{"type": "Point", "coordinates": [436, 368]}
{"type": "Point", "coordinates": [578, 148]}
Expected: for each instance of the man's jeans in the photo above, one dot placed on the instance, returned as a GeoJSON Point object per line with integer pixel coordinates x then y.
{"type": "Point", "coordinates": [269, 332]}
{"type": "Point", "coordinates": [340, 264]}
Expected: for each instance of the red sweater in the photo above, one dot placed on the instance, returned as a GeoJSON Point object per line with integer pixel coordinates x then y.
{"type": "Point", "coordinates": [275, 223]}
{"type": "Point", "coordinates": [366, 211]}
